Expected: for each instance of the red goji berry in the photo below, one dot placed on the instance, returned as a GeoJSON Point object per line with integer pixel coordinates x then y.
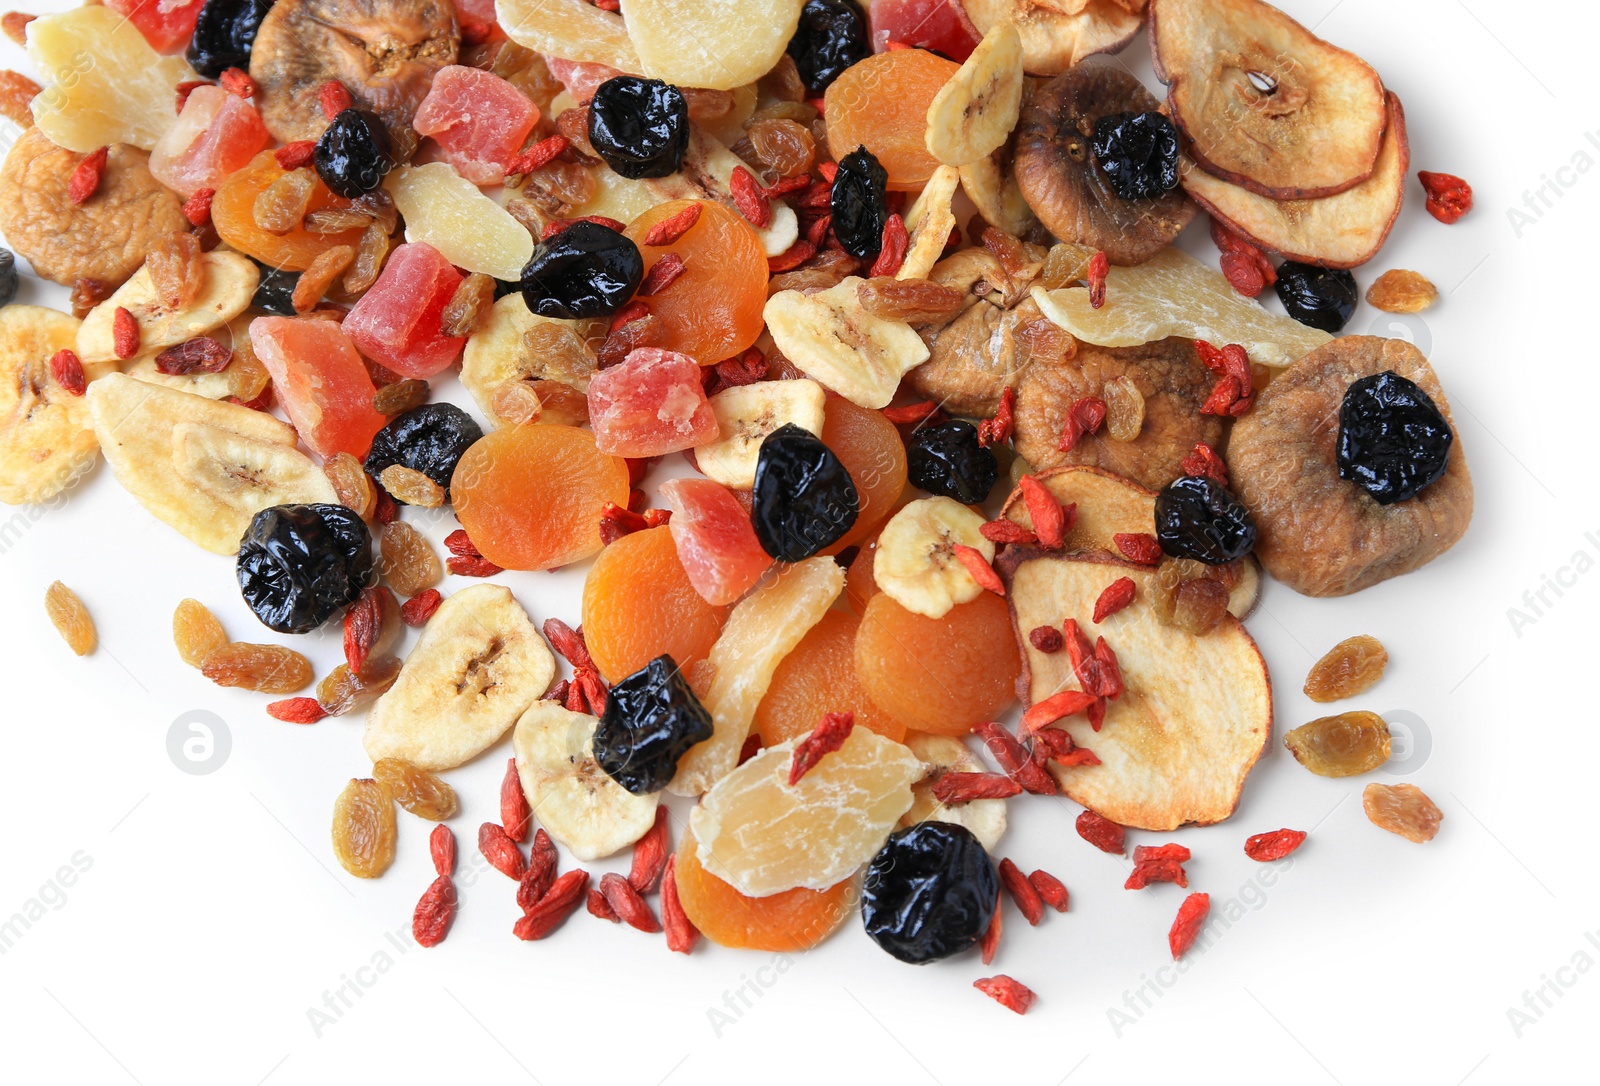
{"type": "Point", "coordinates": [749, 199]}
{"type": "Point", "coordinates": [1057, 706]}
{"type": "Point", "coordinates": [1141, 547]}
{"type": "Point", "coordinates": [124, 333]}
{"type": "Point", "coordinates": [1243, 274]}
{"type": "Point", "coordinates": [1225, 395]}
{"type": "Point", "coordinates": [912, 414]}
{"type": "Point", "coordinates": [85, 179]}
{"type": "Point", "coordinates": [333, 98]}
{"type": "Point", "coordinates": [599, 907]}
{"type": "Point", "coordinates": [1203, 460]}
{"type": "Point", "coordinates": [558, 691]}
{"type": "Point", "coordinates": [566, 641]}
{"type": "Point", "coordinates": [627, 904]}
{"type": "Point", "coordinates": [197, 209]}
{"type": "Point", "coordinates": [297, 710]}
{"type": "Point", "coordinates": [1010, 993]}
{"type": "Point", "coordinates": [1083, 417]}
{"type": "Point", "coordinates": [752, 747]}
{"type": "Point", "coordinates": [892, 250]}
{"type": "Point", "coordinates": [1078, 755]}
{"type": "Point", "coordinates": [1157, 869]}
{"type": "Point", "coordinates": [1016, 761]}
{"type": "Point", "coordinates": [980, 569]}
{"type": "Point", "coordinates": [1051, 890]}
{"type": "Point", "coordinates": [1027, 899]}
{"type": "Point", "coordinates": [616, 522]}
{"type": "Point", "coordinates": [673, 227]}
{"type": "Point", "coordinates": [786, 186]}
{"type": "Point", "coordinates": [817, 232]}
{"type": "Point", "coordinates": [539, 154]}
{"type": "Point", "coordinates": [540, 874]}
{"type": "Point", "coordinates": [515, 814]}
{"type": "Point", "coordinates": [292, 156]}
{"type": "Point", "coordinates": [501, 851]}
{"type": "Point", "coordinates": [1099, 268]}
{"type": "Point", "coordinates": [608, 5]}
{"type": "Point", "coordinates": [650, 855]}
{"type": "Point", "coordinates": [1007, 531]}
{"type": "Point", "coordinates": [663, 273]}
{"type": "Point", "coordinates": [1046, 639]}
{"type": "Point", "coordinates": [420, 608]}
{"type": "Point", "coordinates": [555, 906]}
{"type": "Point", "coordinates": [991, 935]}
{"type": "Point", "coordinates": [1449, 197]}
{"type": "Point", "coordinates": [1172, 851]}
{"type": "Point", "coordinates": [431, 919]}
{"type": "Point", "coordinates": [828, 736]}
{"type": "Point", "coordinates": [471, 567]}
{"type": "Point", "coordinates": [1078, 649]}
{"type": "Point", "coordinates": [186, 88]}
{"type": "Point", "coordinates": [1117, 595]}
{"type": "Point", "coordinates": [747, 369]}
{"type": "Point", "coordinates": [363, 622]}
{"type": "Point", "coordinates": [1273, 846]}
{"type": "Point", "coordinates": [237, 82]}
{"type": "Point", "coordinates": [681, 932]}
{"type": "Point", "coordinates": [67, 369]}
{"type": "Point", "coordinates": [997, 431]}
{"type": "Point", "coordinates": [442, 849]}
{"type": "Point", "coordinates": [1101, 832]}
{"type": "Point", "coordinates": [792, 257]}
{"type": "Point", "coordinates": [953, 788]}
{"type": "Point", "coordinates": [1045, 510]}
{"type": "Point", "coordinates": [1105, 671]}
{"type": "Point", "coordinates": [1186, 926]}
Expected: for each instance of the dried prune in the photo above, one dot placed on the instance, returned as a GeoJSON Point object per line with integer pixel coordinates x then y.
{"type": "Point", "coordinates": [8, 276]}
{"type": "Point", "coordinates": [1320, 297]}
{"type": "Point", "coordinates": [223, 34]}
{"type": "Point", "coordinates": [1197, 518]}
{"type": "Point", "coordinates": [586, 270]}
{"type": "Point", "coordinates": [640, 127]}
{"type": "Point", "coordinates": [429, 439]}
{"type": "Point", "coordinates": [1393, 441]}
{"type": "Point", "coordinates": [832, 35]}
{"type": "Point", "coordinates": [930, 892]}
{"type": "Point", "coordinates": [1341, 746]}
{"type": "Point", "coordinates": [803, 499]}
{"type": "Point", "coordinates": [652, 718]}
{"type": "Point", "coordinates": [298, 564]}
{"type": "Point", "coordinates": [353, 153]}
{"type": "Point", "coordinates": [275, 291]}
{"type": "Point", "coordinates": [1138, 153]}
{"type": "Point", "coordinates": [859, 203]}
{"type": "Point", "coordinates": [946, 459]}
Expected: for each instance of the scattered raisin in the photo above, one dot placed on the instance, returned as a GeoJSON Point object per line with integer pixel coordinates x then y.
{"type": "Point", "coordinates": [1401, 291]}
{"type": "Point", "coordinates": [196, 632]}
{"type": "Point", "coordinates": [364, 832]}
{"type": "Point", "coordinates": [1341, 746]}
{"type": "Point", "coordinates": [1124, 408]}
{"type": "Point", "coordinates": [411, 486]}
{"type": "Point", "coordinates": [1351, 667]}
{"type": "Point", "coordinates": [1403, 809]}
{"type": "Point", "coordinates": [415, 789]}
{"type": "Point", "coordinates": [400, 397]}
{"type": "Point", "coordinates": [407, 560]}
{"type": "Point", "coordinates": [70, 618]}
{"type": "Point", "coordinates": [343, 690]}
{"type": "Point", "coordinates": [177, 269]}
{"type": "Point", "coordinates": [319, 276]}
{"type": "Point", "coordinates": [472, 299]}
{"type": "Point", "coordinates": [266, 669]}
{"type": "Point", "coordinates": [911, 301]}
{"type": "Point", "coordinates": [371, 251]}
{"type": "Point", "coordinates": [351, 483]}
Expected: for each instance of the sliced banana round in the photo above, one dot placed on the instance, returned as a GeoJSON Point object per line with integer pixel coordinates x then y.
{"type": "Point", "coordinates": [706, 173]}
{"type": "Point", "coordinates": [499, 351]}
{"type": "Point", "coordinates": [973, 114]}
{"type": "Point", "coordinates": [929, 223]}
{"type": "Point", "coordinates": [746, 414]}
{"type": "Point", "coordinates": [244, 376]}
{"type": "Point", "coordinates": [916, 564]}
{"type": "Point", "coordinates": [201, 466]}
{"type": "Point", "coordinates": [230, 283]}
{"type": "Point", "coordinates": [831, 337]}
{"type": "Point", "coordinates": [478, 666]}
{"type": "Point", "coordinates": [46, 434]}
{"type": "Point", "coordinates": [986, 818]}
{"type": "Point", "coordinates": [992, 187]}
{"type": "Point", "coordinates": [575, 800]}
{"type": "Point", "coordinates": [697, 44]}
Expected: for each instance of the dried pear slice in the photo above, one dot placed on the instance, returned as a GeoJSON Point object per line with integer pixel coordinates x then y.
{"type": "Point", "coordinates": [1173, 294]}
{"type": "Point", "coordinates": [1342, 231]}
{"type": "Point", "coordinates": [719, 46]}
{"type": "Point", "coordinates": [1177, 746]}
{"type": "Point", "coordinates": [1315, 129]}
{"type": "Point", "coordinates": [570, 30]}
{"type": "Point", "coordinates": [46, 435]}
{"type": "Point", "coordinates": [1054, 40]}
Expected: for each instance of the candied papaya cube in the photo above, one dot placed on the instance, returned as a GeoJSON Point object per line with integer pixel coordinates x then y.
{"type": "Point", "coordinates": [651, 403]}
{"type": "Point", "coordinates": [716, 544]}
{"type": "Point", "coordinates": [321, 381]}
{"type": "Point", "coordinates": [398, 322]}
{"type": "Point", "coordinates": [478, 120]}
{"type": "Point", "coordinates": [216, 135]}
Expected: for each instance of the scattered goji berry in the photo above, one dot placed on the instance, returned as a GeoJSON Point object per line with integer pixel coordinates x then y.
{"type": "Point", "coordinates": [616, 522]}
{"type": "Point", "coordinates": [1099, 268]}
{"type": "Point", "coordinates": [333, 98]}
{"type": "Point", "coordinates": [953, 788]}
{"type": "Point", "coordinates": [1078, 649]}
{"type": "Point", "coordinates": [67, 369]}
{"type": "Point", "coordinates": [1010, 993]}
{"type": "Point", "coordinates": [1046, 638]}
{"type": "Point", "coordinates": [1156, 869]}
{"type": "Point", "coordinates": [1101, 832]}
{"type": "Point", "coordinates": [297, 710]}
{"type": "Point", "coordinates": [558, 691]}
{"type": "Point", "coordinates": [681, 932]}
{"type": "Point", "coordinates": [650, 855]}
{"type": "Point", "coordinates": [749, 199]}
{"type": "Point", "coordinates": [792, 257]}
{"type": "Point", "coordinates": [1186, 927]}
{"type": "Point", "coordinates": [1015, 760]}
{"type": "Point", "coordinates": [1449, 197]}
{"type": "Point", "coordinates": [1006, 531]}
{"type": "Point", "coordinates": [828, 736]}
{"type": "Point", "coordinates": [565, 640]}
{"type": "Point", "coordinates": [540, 154]}
{"type": "Point", "coordinates": [1171, 851]}
{"type": "Point", "coordinates": [912, 414]}
{"type": "Point", "coordinates": [1243, 274]}
{"type": "Point", "coordinates": [555, 906]}
{"type": "Point", "coordinates": [1050, 519]}
{"type": "Point", "coordinates": [673, 227]}
{"type": "Point", "coordinates": [1027, 899]}
{"type": "Point", "coordinates": [1083, 417]}
{"type": "Point", "coordinates": [991, 935]}
{"type": "Point", "coordinates": [1203, 460]}
{"type": "Point", "coordinates": [828, 170]}
{"type": "Point", "coordinates": [1099, 673]}
{"type": "Point", "coordinates": [663, 273]}
{"type": "Point", "coordinates": [540, 874]}
{"type": "Point", "coordinates": [892, 251]}
{"type": "Point", "coordinates": [237, 82]}
{"type": "Point", "coordinates": [601, 908]}
{"type": "Point", "coordinates": [85, 179]}
{"type": "Point", "coordinates": [291, 156]}
{"type": "Point", "coordinates": [442, 849]}
{"type": "Point", "coordinates": [515, 814]}
{"type": "Point", "coordinates": [197, 209]}
{"type": "Point", "coordinates": [627, 904]}
{"type": "Point", "coordinates": [471, 567]}
{"type": "Point", "coordinates": [747, 369]}
{"type": "Point", "coordinates": [420, 608]}
{"type": "Point", "coordinates": [363, 622]}
{"type": "Point", "coordinates": [1078, 755]}
{"type": "Point", "coordinates": [997, 431]}
{"type": "Point", "coordinates": [1273, 846]}
{"type": "Point", "coordinates": [786, 186]}
{"type": "Point", "coordinates": [124, 333]}
{"type": "Point", "coordinates": [1051, 890]}
{"type": "Point", "coordinates": [1117, 595]}
{"type": "Point", "coordinates": [980, 569]}
{"type": "Point", "coordinates": [431, 920]}
{"type": "Point", "coordinates": [817, 232]}
{"type": "Point", "coordinates": [1141, 547]}
{"type": "Point", "coordinates": [501, 851]}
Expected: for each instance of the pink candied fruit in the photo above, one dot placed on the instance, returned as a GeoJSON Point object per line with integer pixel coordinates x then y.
{"type": "Point", "coordinates": [477, 19]}
{"type": "Point", "coordinates": [321, 381]}
{"type": "Point", "coordinates": [653, 402]}
{"type": "Point", "coordinates": [397, 321]}
{"type": "Point", "coordinates": [579, 77]}
{"type": "Point", "coordinates": [939, 25]}
{"type": "Point", "coordinates": [479, 121]}
{"type": "Point", "coordinates": [717, 547]}
{"type": "Point", "coordinates": [166, 24]}
{"type": "Point", "coordinates": [216, 134]}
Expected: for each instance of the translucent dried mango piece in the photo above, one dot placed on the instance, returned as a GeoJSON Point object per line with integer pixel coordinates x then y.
{"type": "Point", "coordinates": [763, 835]}
{"type": "Point", "coordinates": [1173, 294]}
{"type": "Point", "coordinates": [696, 44]}
{"type": "Point", "coordinates": [450, 213]}
{"type": "Point", "coordinates": [761, 631]}
{"type": "Point", "coordinates": [569, 29]}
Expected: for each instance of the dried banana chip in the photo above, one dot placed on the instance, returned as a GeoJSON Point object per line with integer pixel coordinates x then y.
{"type": "Point", "coordinates": [976, 110]}
{"type": "Point", "coordinates": [929, 222]}
{"type": "Point", "coordinates": [832, 338]}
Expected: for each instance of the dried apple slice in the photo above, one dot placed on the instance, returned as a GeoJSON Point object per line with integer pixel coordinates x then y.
{"type": "Point", "coordinates": [1196, 713]}
{"type": "Point", "coordinates": [1264, 102]}
{"type": "Point", "coordinates": [1341, 231]}
{"type": "Point", "coordinates": [1054, 40]}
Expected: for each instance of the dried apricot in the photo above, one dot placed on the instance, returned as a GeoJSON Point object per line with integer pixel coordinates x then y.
{"type": "Point", "coordinates": [869, 447]}
{"type": "Point", "coordinates": [1351, 667]}
{"type": "Point", "coordinates": [233, 214]}
{"type": "Point", "coordinates": [938, 675]}
{"type": "Point", "coordinates": [860, 584]}
{"type": "Point", "coordinates": [817, 677]}
{"type": "Point", "coordinates": [882, 104]}
{"type": "Point", "coordinates": [639, 603]}
{"type": "Point", "coordinates": [364, 832]}
{"type": "Point", "coordinates": [781, 923]}
{"type": "Point", "coordinates": [531, 496]}
{"type": "Point", "coordinates": [196, 632]}
{"type": "Point", "coordinates": [1340, 746]}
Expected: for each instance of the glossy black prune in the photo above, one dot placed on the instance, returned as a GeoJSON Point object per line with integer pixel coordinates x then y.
{"type": "Point", "coordinates": [429, 439]}
{"type": "Point", "coordinates": [1138, 153]}
{"type": "Point", "coordinates": [223, 35]}
{"type": "Point", "coordinates": [652, 718]}
{"type": "Point", "coordinates": [639, 126]}
{"type": "Point", "coordinates": [946, 459]}
{"type": "Point", "coordinates": [860, 203]}
{"type": "Point", "coordinates": [1320, 297]}
{"type": "Point", "coordinates": [804, 500]}
{"type": "Point", "coordinates": [1197, 518]}
{"type": "Point", "coordinates": [832, 35]}
{"type": "Point", "coordinates": [1394, 441]}
{"type": "Point", "coordinates": [275, 291]}
{"type": "Point", "coordinates": [353, 153]}
{"type": "Point", "coordinates": [8, 276]}
{"type": "Point", "coordinates": [298, 564]}
{"type": "Point", "coordinates": [930, 892]}
{"type": "Point", "coordinates": [586, 270]}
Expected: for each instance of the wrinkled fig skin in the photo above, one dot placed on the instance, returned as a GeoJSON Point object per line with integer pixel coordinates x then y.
{"type": "Point", "coordinates": [1067, 190]}
{"type": "Point", "coordinates": [1173, 382]}
{"type": "Point", "coordinates": [1319, 534]}
{"type": "Point", "coordinates": [975, 359]}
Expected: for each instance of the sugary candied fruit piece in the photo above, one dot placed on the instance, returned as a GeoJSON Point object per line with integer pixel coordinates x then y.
{"type": "Point", "coordinates": [447, 211]}
{"type": "Point", "coordinates": [216, 135]}
{"type": "Point", "coordinates": [819, 677]}
{"type": "Point", "coordinates": [882, 104]}
{"type": "Point", "coordinates": [233, 214]}
{"type": "Point", "coordinates": [321, 381]}
{"type": "Point", "coordinates": [478, 120]}
{"type": "Point", "coordinates": [653, 402]}
{"type": "Point", "coordinates": [716, 544]}
{"type": "Point", "coordinates": [793, 920]}
{"type": "Point", "coordinates": [398, 322]}
{"type": "Point", "coordinates": [639, 603]}
{"type": "Point", "coordinates": [530, 497]}
{"type": "Point", "coordinates": [939, 25]}
{"type": "Point", "coordinates": [166, 26]}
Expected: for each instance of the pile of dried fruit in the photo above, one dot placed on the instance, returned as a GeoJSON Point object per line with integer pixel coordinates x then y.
{"type": "Point", "coordinates": [760, 263]}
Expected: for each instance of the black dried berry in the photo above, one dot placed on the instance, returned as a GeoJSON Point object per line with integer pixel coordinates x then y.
{"type": "Point", "coordinates": [586, 270]}
{"type": "Point", "coordinates": [223, 34]}
{"type": "Point", "coordinates": [1394, 441]}
{"type": "Point", "coordinates": [353, 153]}
{"type": "Point", "coordinates": [429, 439]}
{"type": "Point", "coordinates": [1197, 518]}
{"type": "Point", "coordinates": [860, 204]}
{"type": "Point", "coordinates": [298, 564]}
{"type": "Point", "coordinates": [639, 126]}
{"type": "Point", "coordinates": [930, 892]}
{"type": "Point", "coordinates": [947, 459]}
{"type": "Point", "coordinates": [1138, 153]}
{"type": "Point", "coordinates": [804, 499]}
{"type": "Point", "coordinates": [275, 291]}
{"type": "Point", "coordinates": [832, 35]}
{"type": "Point", "coordinates": [8, 276]}
{"type": "Point", "coordinates": [1321, 297]}
{"type": "Point", "coordinates": [652, 718]}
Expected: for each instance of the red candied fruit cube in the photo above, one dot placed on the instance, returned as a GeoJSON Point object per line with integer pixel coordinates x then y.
{"type": "Point", "coordinates": [652, 403]}
{"type": "Point", "coordinates": [321, 381]}
{"type": "Point", "coordinates": [478, 120]}
{"type": "Point", "coordinates": [717, 547]}
{"type": "Point", "coordinates": [397, 322]}
{"type": "Point", "coordinates": [216, 134]}
{"type": "Point", "coordinates": [166, 26]}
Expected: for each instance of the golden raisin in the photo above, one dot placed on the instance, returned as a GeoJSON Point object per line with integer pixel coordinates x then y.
{"type": "Point", "coordinates": [371, 251]}
{"type": "Point", "coordinates": [400, 397]}
{"type": "Point", "coordinates": [558, 187]}
{"type": "Point", "coordinates": [266, 669]}
{"type": "Point", "coordinates": [364, 830]}
{"type": "Point", "coordinates": [1403, 809]}
{"type": "Point", "coordinates": [415, 789]}
{"type": "Point", "coordinates": [1045, 341]}
{"type": "Point", "coordinates": [280, 207]}
{"type": "Point", "coordinates": [17, 93]}
{"type": "Point", "coordinates": [1341, 746]}
{"type": "Point", "coordinates": [1066, 262]}
{"type": "Point", "coordinates": [407, 562]}
{"type": "Point", "coordinates": [516, 402]}
{"type": "Point", "coordinates": [783, 146]}
{"type": "Point", "coordinates": [1401, 291]}
{"type": "Point", "coordinates": [177, 269]}
{"type": "Point", "coordinates": [1124, 408]}
{"type": "Point", "coordinates": [88, 293]}
{"type": "Point", "coordinates": [528, 214]}
{"type": "Point", "coordinates": [411, 487]}
{"type": "Point", "coordinates": [1182, 596]}
{"type": "Point", "coordinates": [247, 377]}
{"type": "Point", "coordinates": [343, 690]}
{"type": "Point", "coordinates": [473, 297]}
{"type": "Point", "coordinates": [70, 618]}
{"type": "Point", "coordinates": [196, 632]}
{"type": "Point", "coordinates": [558, 351]}
{"type": "Point", "coordinates": [802, 113]}
{"type": "Point", "coordinates": [912, 301]}
{"type": "Point", "coordinates": [1351, 667]}
{"type": "Point", "coordinates": [335, 220]}
{"type": "Point", "coordinates": [351, 483]}
{"type": "Point", "coordinates": [315, 280]}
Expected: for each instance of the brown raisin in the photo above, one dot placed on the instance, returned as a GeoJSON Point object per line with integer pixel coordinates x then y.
{"type": "Point", "coordinates": [1401, 291]}
{"type": "Point", "coordinates": [316, 279]}
{"type": "Point", "coordinates": [557, 350]}
{"type": "Point", "coordinates": [281, 206]}
{"type": "Point", "coordinates": [407, 561]}
{"type": "Point", "coordinates": [342, 690]}
{"type": "Point", "coordinates": [1341, 746]}
{"type": "Point", "coordinates": [473, 298]}
{"type": "Point", "coordinates": [528, 214]}
{"type": "Point", "coordinates": [371, 251]}
{"type": "Point", "coordinates": [911, 301]}
{"type": "Point", "coordinates": [1124, 408]}
{"type": "Point", "coordinates": [1351, 667]}
{"type": "Point", "coordinates": [196, 632]}
{"type": "Point", "coordinates": [707, 105]}
{"type": "Point", "coordinates": [177, 269]}
{"type": "Point", "coordinates": [783, 146]}
{"type": "Point", "coordinates": [415, 789]}
{"type": "Point", "coordinates": [70, 618]}
{"type": "Point", "coordinates": [351, 483]}
{"type": "Point", "coordinates": [364, 831]}
{"type": "Point", "coordinates": [400, 397]}
{"type": "Point", "coordinates": [411, 487]}
{"type": "Point", "coordinates": [335, 220]}
{"type": "Point", "coordinates": [783, 82]}
{"type": "Point", "coordinates": [1403, 809]}
{"type": "Point", "coordinates": [1045, 341]}
{"type": "Point", "coordinates": [802, 113]}
{"type": "Point", "coordinates": [266, 669]}
{"type": "Point", "coordinates": [559, 186]}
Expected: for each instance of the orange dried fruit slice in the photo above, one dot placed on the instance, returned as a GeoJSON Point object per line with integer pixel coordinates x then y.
{"type": "Point", "coordinates": [819, 677]}
{"type": "Point", "coordinates": [870, 448]}
{"type": "Point", "coordinates": [793, 920]}
{"type": "Point", "coordinates": [638, 603]}
{"type": "Point", "coordinates": [233, 214]}
{"type": "Point", "coordinates": [881, 103]}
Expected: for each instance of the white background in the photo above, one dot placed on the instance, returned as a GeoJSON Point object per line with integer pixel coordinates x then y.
{"type": "Point", "coordinates": [212, 917]}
